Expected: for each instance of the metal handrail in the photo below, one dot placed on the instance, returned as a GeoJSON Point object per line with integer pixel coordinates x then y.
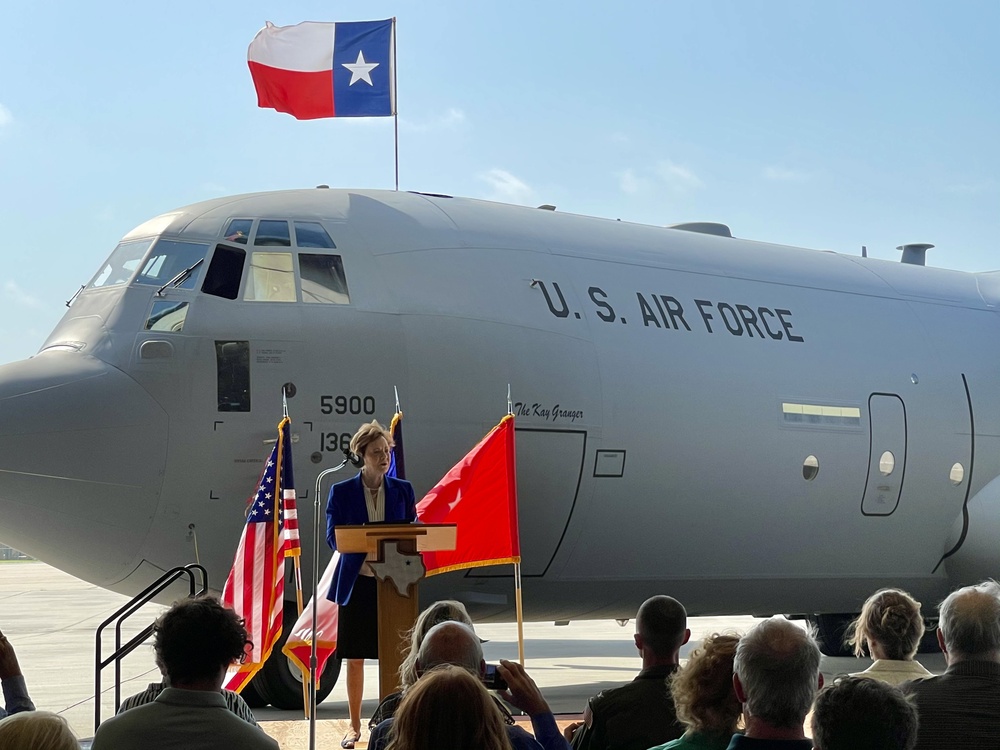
{"type": "Point", "coordinates": [126, 611]}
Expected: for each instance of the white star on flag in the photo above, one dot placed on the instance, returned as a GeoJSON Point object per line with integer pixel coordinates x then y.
{"type": "Point", "coordinates": [360, 70]}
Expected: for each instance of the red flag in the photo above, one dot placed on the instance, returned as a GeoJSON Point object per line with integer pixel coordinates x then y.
{"type": "Point", "coordinates": [479, 494]}
{"type": "Point", "coordinates": [298, 646]}
{"type": "Point", "coordinates": [256, 585]}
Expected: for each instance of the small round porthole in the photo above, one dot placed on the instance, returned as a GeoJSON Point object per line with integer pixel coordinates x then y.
{"type": "Point", "coordinates": [810, 468]}
{"type": "Point", "coordinates": [957, 474]}
{"type": "Point", "coordinates": [887, 463]}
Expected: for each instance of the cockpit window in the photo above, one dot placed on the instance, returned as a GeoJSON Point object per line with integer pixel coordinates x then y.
{"type": "Point", "coordinates": [167, 315]}
{"type": "Point", "coordinates": [312, 234]}
{"type": "Point", "coordinates": [271, 233]}
{"type": "Point", "coordinates": [271, 278]}
{"type": "Point", "coordinates": [238, 230]}
{"type": "Point", "coordinates": [168, 259]}
{"type": "Point", "coordinates": [323, 279]}
{"type": "Point", "coordinates": [121, 266]}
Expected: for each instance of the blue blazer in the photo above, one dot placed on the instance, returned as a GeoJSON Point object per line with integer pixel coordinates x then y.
{"type": "Point", "coordinates": [347, 506]}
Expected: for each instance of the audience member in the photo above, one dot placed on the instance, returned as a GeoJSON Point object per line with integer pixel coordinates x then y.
{"type": "Point", "coordinates": [233, 700]}
{"type": "Point", "coordinates": [196, 640]}
{"type": "Point", "coordinates": [855, 713]}
{"type": "Point", "coordinates": [15, 692]}
{"type": "Point", "coordinates": [442, 611]}
{"type": "Point", "coordinates": [961, 708]}
{"type": "Point", "coordinates": [447, 708]}
{"type": "Point", "coordinates": [704, 697]}
{"type": "Point", "coordinates": [889, 627]}
{"type": "Point", "coordinates": [640, 714]}
{"type": "Point", "coordinates": [456, 644]}
{"type": "Point", "coordinates": [775, 675]}
{"type": "Point", "coordinates": [37, 730]}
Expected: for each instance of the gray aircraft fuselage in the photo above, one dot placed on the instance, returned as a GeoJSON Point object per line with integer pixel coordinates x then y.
{"type": "Point", "coordinates": [748, 427]}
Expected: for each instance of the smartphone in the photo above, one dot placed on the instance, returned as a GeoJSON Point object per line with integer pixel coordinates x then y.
{"type": "Point", "coordinates": [492, 679]}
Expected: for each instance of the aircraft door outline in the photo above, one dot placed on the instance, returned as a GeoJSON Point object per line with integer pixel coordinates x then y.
{"type": "Point", "coordinates": [887, 454]}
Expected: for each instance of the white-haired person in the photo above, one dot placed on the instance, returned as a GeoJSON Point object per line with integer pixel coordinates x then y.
{"type": "Point", "coordinates": [37, 730]}
{"type": "Point", "coordinates": [961, 708]}
{"type": "Point", "coordinates": [446, 610]}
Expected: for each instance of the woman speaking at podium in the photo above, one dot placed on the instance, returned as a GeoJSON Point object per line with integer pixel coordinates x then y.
{"type": "Point", "coordinates": [370, 497]}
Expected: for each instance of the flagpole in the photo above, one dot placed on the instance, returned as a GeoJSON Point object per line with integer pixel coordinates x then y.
{"type": "Point", "coordinates": [517, 574]}
{"type": "Point", "coordinates": [395, 114]}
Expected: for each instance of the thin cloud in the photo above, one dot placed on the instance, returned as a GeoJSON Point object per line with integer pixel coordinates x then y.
{"type": "Point", "coordinates": [13, 293]}
{"type": "Point", "coordinates": [783, 174]}
{"type": "Point", "coordinates": [971, 188]}
{"type": "Point", "coordinates": [630, 183]}
{"type": "Point", "coordinates": [506, 187]}
{"type": "Point", "coordinates": [677, 177]}
{"type": "Point", "coordinates": [6, 118]}
{"type": "Point", "coordinates": [453, 119]}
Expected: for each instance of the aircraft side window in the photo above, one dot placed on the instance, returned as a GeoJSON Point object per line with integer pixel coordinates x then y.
{"type": "Point", "coordinates": [238, 231]}
{"type": "Point", "coordinates": [271, 233]}
{"type": "Point", "coordinates": [233, 362]}
{"type": "Point", "coordinates": [312, 234]}
{"type": "Point", "coordinates": [120, 267]}
{"type": "Point", "coordinates": [169, 258]}
{"type": "Point", "coordinates": [323, 279]}
{"type": "Point", "coordinates": [271, 278]}
{"type": "Point", "coordinates": [167, 315]}
{"type": "Point", "coordinates": [225, 272]}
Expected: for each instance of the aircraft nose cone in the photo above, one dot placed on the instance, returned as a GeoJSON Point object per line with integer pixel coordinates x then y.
{"type": "Point", "coordinates": [82, 452]}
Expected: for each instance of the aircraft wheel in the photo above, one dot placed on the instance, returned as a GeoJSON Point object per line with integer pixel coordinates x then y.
{"type": "Point", "coordinates": [279, 682]}
{"type": "Point", "coordinates": [252, 695]}
{"type": "Point", "coordinates": [929, 643]}
{"type": "Point", "coordinates": [832, 628]}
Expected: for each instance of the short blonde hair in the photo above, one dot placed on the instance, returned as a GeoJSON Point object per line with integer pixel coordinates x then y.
{"type": "Point", "coordinates": [448, 707]}
{"type": "Point", "coordinates": [891, 618]}
{"type": "Point", "coordinates": [447, 610]}
{"type": "Point", "coordinates": [703, 688]}
{"type": "Point", "coordinates": [38, 730]}
{"type": "Point", "coordinates": [367, 434]}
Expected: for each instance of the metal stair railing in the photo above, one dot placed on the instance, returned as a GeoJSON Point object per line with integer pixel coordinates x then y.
{"type": "Point", "coordinates": [195, 588]}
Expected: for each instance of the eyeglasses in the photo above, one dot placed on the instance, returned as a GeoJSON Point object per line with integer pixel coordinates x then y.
{"type": "Point", "coordinates": [377, 453]}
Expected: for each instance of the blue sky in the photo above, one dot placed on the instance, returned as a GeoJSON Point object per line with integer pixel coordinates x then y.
{"type": "Point", "coordinates": [822, 125]}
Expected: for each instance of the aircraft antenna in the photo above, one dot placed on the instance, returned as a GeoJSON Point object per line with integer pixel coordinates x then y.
{"type": "Point", "coordinates": [864, 251]}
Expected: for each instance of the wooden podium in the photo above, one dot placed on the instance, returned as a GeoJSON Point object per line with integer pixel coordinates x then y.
{"type": "Point", "coordinates": [399, 568]}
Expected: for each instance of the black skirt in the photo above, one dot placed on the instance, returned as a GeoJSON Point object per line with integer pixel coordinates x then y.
{"type": "Point", "coordinates": [357, 623]}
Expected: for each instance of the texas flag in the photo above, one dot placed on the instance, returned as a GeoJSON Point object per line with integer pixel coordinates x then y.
{"type": "Point", "coordinates": [314, 70]}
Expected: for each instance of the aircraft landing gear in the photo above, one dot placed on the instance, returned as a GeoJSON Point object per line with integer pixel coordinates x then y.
{"type": "Point", "coordinates": [279, 683]}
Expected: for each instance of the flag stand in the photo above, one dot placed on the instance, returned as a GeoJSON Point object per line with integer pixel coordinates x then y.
{"type": "Point", "coordinates": [517, 566]}
{"type": "Point", "coordinates": [297, 563]}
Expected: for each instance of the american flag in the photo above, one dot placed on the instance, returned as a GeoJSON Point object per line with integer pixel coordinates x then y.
{"type": "Point", "coordinates": [291, 545]}
{"type": "Point", "coordinates": [256, 585]}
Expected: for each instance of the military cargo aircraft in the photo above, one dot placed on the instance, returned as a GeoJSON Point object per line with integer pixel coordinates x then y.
{"type": "Point", "coordinates": [749, 427]}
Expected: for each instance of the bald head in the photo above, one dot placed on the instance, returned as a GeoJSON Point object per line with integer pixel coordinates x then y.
{"type": "Point", "coordinates": [450, 643]}
{"type": "Point", "coordinates": [970, 623]}
{"type": "Point", "coordinates": [661, 624]}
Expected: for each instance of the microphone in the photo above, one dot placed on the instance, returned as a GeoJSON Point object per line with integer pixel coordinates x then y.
{"type": "Point", "coordinates": [356, 461]}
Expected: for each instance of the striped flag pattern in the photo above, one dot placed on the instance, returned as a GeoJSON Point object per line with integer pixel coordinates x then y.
{"type": "Point", "coordinates": [291, 545]}
{"type": "Point", "coordinates": [256, 584]}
